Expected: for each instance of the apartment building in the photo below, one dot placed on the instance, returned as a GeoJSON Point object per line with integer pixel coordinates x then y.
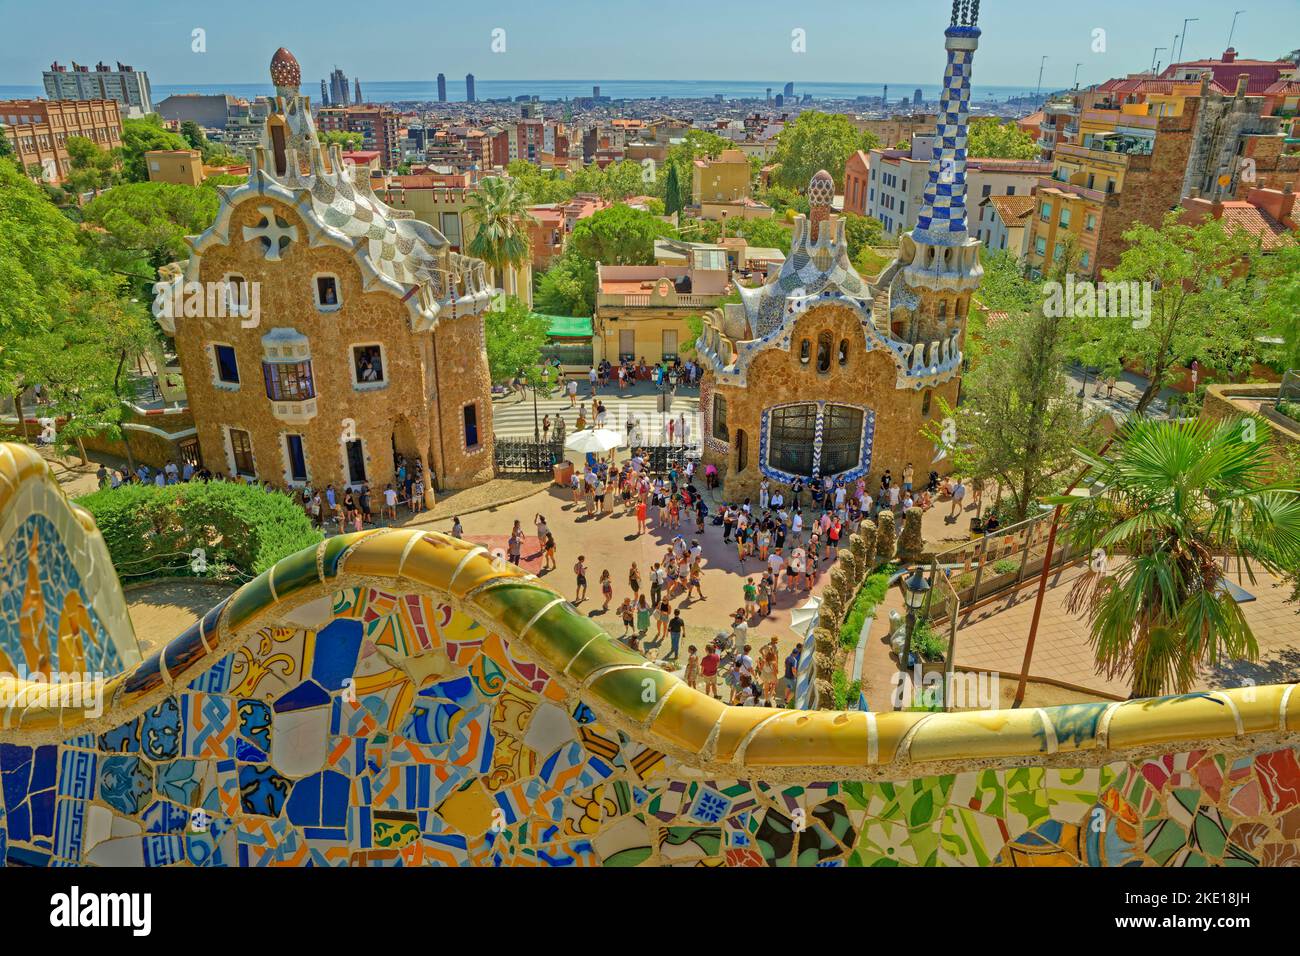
{"type": "Point", "coordinates": [127, 86]}
{"type": "Point", "coordinates": [38, 130]}
{"type": "Point", "coordinates": [376, 124]}
{"type": "Point", "coordinates": [641, 311]}
{"type": "Point", "coordinates": [1143, 145]}
{"type": "Point", "coordinates": [888, 184]}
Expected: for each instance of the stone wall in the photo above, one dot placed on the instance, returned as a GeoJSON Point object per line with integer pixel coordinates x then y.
{"type": "Point", "coordinates": [408, 411]}
{"type": "Point", "coordinates": [1153, 185]}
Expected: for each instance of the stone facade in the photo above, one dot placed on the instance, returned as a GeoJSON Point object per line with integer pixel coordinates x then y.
{"type": "Point", "coordinates": [866, 380]}
{"type": "Point", "coordinates": [815, 354]}
{"type": "Point", "coordinates": [330, 271]}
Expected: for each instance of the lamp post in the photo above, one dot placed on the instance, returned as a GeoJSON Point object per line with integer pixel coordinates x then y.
{"type": "Point", "coordinates": [1183, 42]}
{"type": "Point", "coordinates": [915, 589]}
{"type": "Point", "coordinates": [1235, 14]}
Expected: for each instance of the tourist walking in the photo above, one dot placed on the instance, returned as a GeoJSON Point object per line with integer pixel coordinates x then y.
{"type": "Point", "coordinates": [580, 572]}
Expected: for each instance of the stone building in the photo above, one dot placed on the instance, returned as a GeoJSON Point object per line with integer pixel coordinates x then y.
{"type": "Point", "coordinates": [814, 373]}
{"type": "Point", "coordinates": [360, 334]}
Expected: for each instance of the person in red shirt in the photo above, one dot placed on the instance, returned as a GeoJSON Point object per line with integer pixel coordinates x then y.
{"type": "Point", "coordinates": [709, 671]}
{"type": "Point", "coordinates": [640, 515]}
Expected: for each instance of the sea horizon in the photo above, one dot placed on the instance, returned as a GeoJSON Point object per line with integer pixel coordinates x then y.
{"type": "Point", "coordinates": [411, 91]}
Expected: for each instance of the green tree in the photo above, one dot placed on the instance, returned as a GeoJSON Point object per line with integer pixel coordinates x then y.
{"type": "Point", "coordinates": [6, 147]}
{"type": "Point", "coordinates": [1198, 309]}
{"type": "Point", "coordinates": [139, 136]}
{"type": "Point", "coordinates": [990, 138]}
{"type": "Point", "coordinates": [568, 287]}
{"type": "Point", "coordinates": [500, 211]}
{"type": "Point", "coordinates": [672, 192]}
{"type": "Point", "coordinates": [1280, 302]}
{"type": "Point", "coordinates": [818, 141]}
{"type": "Point", "coordinates": [41, 270]}
{"type": "Point", "coordinates": [193, 134]}
{"type": "Point", "coordinates": [149, 221]}
{"type": "Point", "coordinates": [83, 361]}
{"type": "Point", "coordinates": [1178, 501]}
{"type": "Point", "coordinates": [347, 141]}
{"type": "Point", "coordinates": [766, 233]}
{"type": "Point", "coordinates": [539, 185]}
{"type": "Point", "coordinates": [92, 168]}
{"type": "Point", "coordinates": [619, 235]}
{"type": "Point", "coordinates": [861, 232]}
{"type": "Point", "coordinates": [1018, 422]}
{"type": "Point", "coordinates": [515, 337]}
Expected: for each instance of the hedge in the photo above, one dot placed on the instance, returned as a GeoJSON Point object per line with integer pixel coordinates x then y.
{"type": "Point", "coordinates": [151, 531]}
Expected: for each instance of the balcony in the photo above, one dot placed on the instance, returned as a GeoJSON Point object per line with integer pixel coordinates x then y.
{"type": "Point", "coordinates": [287, 374]}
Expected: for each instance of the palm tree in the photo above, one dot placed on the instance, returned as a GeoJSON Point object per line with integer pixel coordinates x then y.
{"type": "Point", "coordinates": [1176, 503]}
{"type": "Point", "coordinates": [500, 209]}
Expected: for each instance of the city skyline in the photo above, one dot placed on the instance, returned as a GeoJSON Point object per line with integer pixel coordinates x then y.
{"type": "Point", "coordinates": [537, 44]}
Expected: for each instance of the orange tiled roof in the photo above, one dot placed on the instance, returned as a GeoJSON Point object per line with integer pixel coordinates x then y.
{"type": "Point", "coordinates": [1011, 208]}
{"type": "Point", "coordinates": [1242, 215]}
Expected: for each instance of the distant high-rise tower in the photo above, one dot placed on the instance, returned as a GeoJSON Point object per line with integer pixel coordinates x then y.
{"type": "Point", "coordinates": [789, 90]}
{"type": "Point", "coordinates": [916, 98]}
{"type": "Point", "coordinates": [780, 99]}
{"type": "Point", "coordinates": [884, 97]}
{"type": "Point", "coordinates": [338, 88]}
{"type": "Point", "coordinates": [357, 99]}
{"type": "Point", "coordinates": [442, 88]}
{"type": "Point", "coordinates": [324, 94]}
{"type": "Point", "coordinates": [595, 92]}
{"type": "Point", "coordinates": [769, 96]}
{"type": "Point", "coordinates": [469, 88]}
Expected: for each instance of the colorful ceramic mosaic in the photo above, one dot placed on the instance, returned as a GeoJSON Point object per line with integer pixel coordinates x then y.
{"type": "Point", "coordinates": [397, 698]}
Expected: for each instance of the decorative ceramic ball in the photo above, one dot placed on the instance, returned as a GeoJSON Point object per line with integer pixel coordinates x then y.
{"type": "Point", "coordinates": [821, 189]}
{"type": "Point", "coordinates": [285, 70]}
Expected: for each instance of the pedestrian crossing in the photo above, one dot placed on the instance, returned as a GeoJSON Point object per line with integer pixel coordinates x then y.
{"type": "Point", "coordinates": [512, 417]}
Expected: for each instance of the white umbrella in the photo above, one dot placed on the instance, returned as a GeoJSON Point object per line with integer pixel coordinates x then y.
{"type": "Point", "coordinates": [595, 441]}
{"type": "Point", "coordinates": [801, 615]}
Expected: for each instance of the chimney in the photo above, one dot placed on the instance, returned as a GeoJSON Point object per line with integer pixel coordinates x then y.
{"type": "Point", "coordinates": [1205, 85]}
{"type": "Point", "coordinates": [1243, 79]}
{"type": "Point", "coordinates": [1229, 55]}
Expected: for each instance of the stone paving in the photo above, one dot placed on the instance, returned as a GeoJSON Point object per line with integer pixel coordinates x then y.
{"type": "Point", "coordinates": [993, 638]}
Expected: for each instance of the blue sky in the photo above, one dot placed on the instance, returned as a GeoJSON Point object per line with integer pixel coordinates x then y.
{"type": "Point", "coordinates": [847, 40]}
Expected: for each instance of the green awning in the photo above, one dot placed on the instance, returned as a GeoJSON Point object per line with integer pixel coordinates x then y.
{"type": "Point", "coordinates": [568, 326]}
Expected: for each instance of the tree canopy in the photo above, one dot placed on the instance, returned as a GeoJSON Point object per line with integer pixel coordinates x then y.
{"type": "Point", "coordinates": [514, 336]}
{"type": "Point", "coordinates": [817, 141]}
{"type": "Point", "coordinates": [139, 136]}
{"type": "Point", "coordinates": [990, 138]}
{"type": "Point", "coordinates": [1200, 309]}
{"type": "Point", "coordinates": [619, 235]}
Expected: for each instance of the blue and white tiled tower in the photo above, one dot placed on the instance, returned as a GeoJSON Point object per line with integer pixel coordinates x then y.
{"type": "Point", "coordinates": [940, 258]}
{"type": "Point", "coordinates": [942, 219]}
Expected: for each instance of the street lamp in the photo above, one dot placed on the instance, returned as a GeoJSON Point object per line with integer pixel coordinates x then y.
{"type": "Point", "coordinates": [915, 590]}
{"type": "Point", "coordinates": [1184, 35]}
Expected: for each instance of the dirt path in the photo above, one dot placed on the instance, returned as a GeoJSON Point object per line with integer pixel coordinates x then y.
{"type": "Point", "coordinates": [162, 610]}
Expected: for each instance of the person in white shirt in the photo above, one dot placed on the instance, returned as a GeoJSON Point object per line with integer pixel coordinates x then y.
{"type": "Point", "coordinates": [893, 496]}
{"type": "Point", "coordinates": [774, 562]}
{"type": "Point", "coordinates": [796, 527]}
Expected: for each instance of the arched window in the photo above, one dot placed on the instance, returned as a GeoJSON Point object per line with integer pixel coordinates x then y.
{"type": "Point", "coordinates": [823, 352]}
{"type": "Point", "coordinates": [805, 351]}
{"type": "Point", "coordinates": [742, 450]}
{"type": "Point", "coordinates": [720, 418]}
{"type": "Point", "coordinates": [844, 351]}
